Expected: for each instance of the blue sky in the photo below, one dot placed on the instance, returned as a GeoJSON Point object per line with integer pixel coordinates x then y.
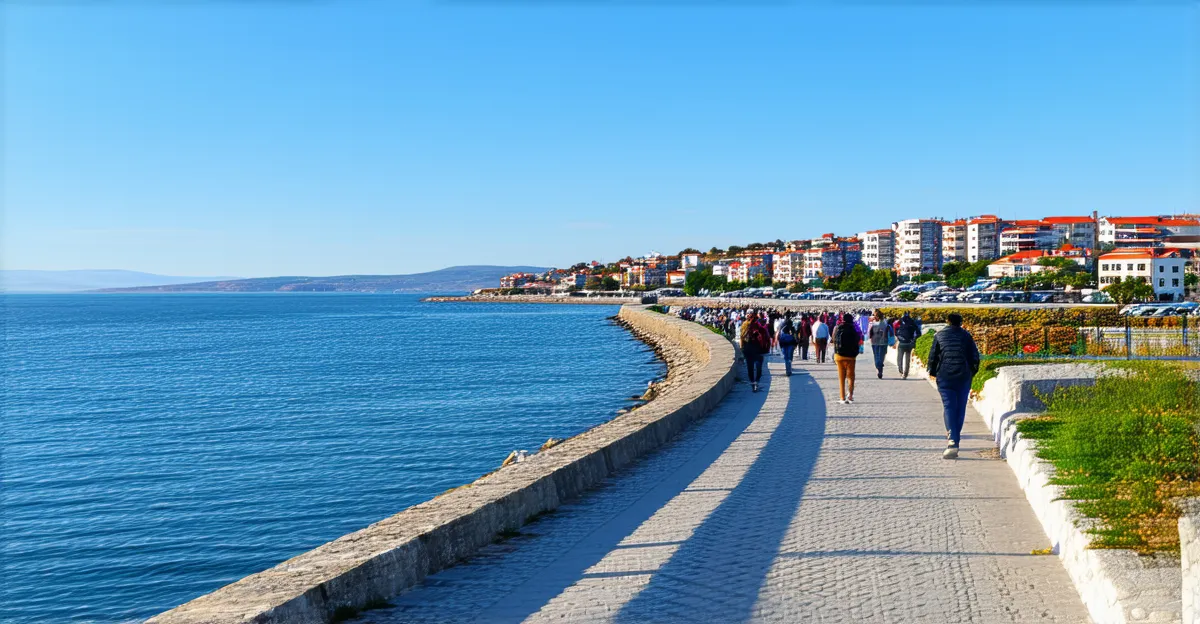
{"type": "Point", "coordinates": [267, 138]}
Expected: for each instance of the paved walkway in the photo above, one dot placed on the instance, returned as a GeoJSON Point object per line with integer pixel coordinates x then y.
{"type": "Point", "coordinates": [782, 506]}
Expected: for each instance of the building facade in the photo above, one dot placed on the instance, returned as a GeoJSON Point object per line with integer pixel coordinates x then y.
{"type": "Point", "coordinates": [918, 246]}
{"type": "Point", "coordinates": [1162, 268]}
{"type": "Point", "coordinates": [878, 249]}
{"type": "Point", "coordinates": [1028, 235]}
{"type": "Point", "coordinates": [1081, 232]}
{"type": "Point", "coordinates": [954, 241]}
{"type": "Point", "coordinates": [983, 238]}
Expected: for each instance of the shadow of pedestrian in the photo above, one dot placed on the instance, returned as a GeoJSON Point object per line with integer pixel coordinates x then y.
{"type": "Point", "coordinates": [717, 573]}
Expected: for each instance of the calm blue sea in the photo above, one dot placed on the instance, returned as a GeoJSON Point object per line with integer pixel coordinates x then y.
{"type": "Point", "coordinates": [157, 447]}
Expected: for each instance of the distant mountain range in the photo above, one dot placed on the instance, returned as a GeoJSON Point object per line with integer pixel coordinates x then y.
{"type": "Point", "coordinates": [75, 281]}
{"type": "Point", "coordinates": [452, 279]}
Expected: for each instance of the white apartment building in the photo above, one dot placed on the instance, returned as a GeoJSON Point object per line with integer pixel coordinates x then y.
{"type": "Point", "coordinates": [789, 266]}
{"type": "Point", "coordinates": [878, 249]}
{"type": "Point", "coordinates": [1025, 263]}
{"type": "Point", "coordinates": [918, 246]}
{"type": "Point", "coordinates": [1027, 235]}
{"type": "Point", "coordinates": [983, 238]}
{"type": "Point", "coordinates": [1162, 268]}
{"type": "Point", "coordinates": [1146, 231]}
{"type": "Point", "coordinates": [1081, 232]}
{"type": "Point", "coordinates": [954, 241]}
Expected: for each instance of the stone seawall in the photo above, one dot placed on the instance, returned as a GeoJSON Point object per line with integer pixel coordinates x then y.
{"type": "Point", "coordinates": [367, 567]}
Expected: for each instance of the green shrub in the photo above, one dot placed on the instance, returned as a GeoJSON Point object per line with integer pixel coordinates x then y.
{"type": "Point", "coordinates": [1123, 449]}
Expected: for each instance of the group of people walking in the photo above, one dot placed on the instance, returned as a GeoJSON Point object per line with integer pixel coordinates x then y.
{"type": "Point", "coordinates": [953, 358]}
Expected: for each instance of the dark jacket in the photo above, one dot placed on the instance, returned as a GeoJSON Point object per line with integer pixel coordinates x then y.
{"type": "Point", "coordinates": [846, 340]}
{"type": "Point", "coordinates": [954, 358]}
{"type": "Point", "coordinates": [907, 331]}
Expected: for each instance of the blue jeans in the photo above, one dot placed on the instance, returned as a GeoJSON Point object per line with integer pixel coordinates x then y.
{"type": "Point", "coordinates": [954, 405]}
{"type": "Point", "coordinates": [880, 353]}
{"type": "Point", "coordinates": [788, 354]}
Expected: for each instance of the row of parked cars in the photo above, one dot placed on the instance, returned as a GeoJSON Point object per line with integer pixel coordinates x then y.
{"type": "Point", "coordinates": [1184, 308]}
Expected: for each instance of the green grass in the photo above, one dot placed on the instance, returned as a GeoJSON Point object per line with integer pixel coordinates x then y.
{"type": "Point", "coordinates": [1123, 448]}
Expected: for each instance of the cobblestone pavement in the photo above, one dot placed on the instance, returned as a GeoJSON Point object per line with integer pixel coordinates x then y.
{"type": "Point", "coordinates": [781, 506]}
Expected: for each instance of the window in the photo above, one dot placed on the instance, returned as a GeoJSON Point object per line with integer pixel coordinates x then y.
{"type": "Point", "coordinates": [1162, 268]}
{"type": "Point", "coordinates": [1175, 282]}
{"type": "Point", "coordinates": [1141, 266]}
{"type": "Point", "coordinates": [1162, 282]}
{"type": "Point", "coordinates": [1175, 269]}
{"type": "Point", "coordinates": [1104, 267]}
{"type": "Point", "coordinates": [1129, 267]}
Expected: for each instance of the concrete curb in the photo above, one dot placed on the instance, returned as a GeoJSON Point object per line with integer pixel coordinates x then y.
{"type": "Point", "coordinates": [374, 564]}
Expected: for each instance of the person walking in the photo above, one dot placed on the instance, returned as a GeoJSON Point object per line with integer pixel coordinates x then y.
{"type": "Point", "coordinates": [820, 333]}
{"type": "Point", "coordinates": [756, 342]}
{"type": "Point", "coordinates": [804, 335]}
{"type": "Point", "coordinates": [880, 332]}
{"type": "Point", "coordinates": [846, 345]}
{"type": "Point", "coordinates": [787, 345]}
{"type": "Point", "coordinates": [953, 362]}
{"type": "Point", "coordinates": [906, 338]}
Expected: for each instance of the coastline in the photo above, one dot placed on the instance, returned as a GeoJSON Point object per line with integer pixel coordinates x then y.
{"type": "Point", "coordinates": [367, 567]}
{"type": "Point", "coordinates": [531, 299]}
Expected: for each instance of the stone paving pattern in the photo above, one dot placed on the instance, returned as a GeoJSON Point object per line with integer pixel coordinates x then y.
{"type": "Point", "coordinates": [781, 506]}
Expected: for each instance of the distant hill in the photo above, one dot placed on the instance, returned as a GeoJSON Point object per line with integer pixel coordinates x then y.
{"type": "Point", "coordinates": [75, 281]}
{"type": "Point", "coordinates": [452, 279]}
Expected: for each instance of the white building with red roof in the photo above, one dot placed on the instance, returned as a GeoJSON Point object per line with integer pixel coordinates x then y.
{"type": "Point", "coordinates": [1162, 267]}
{"type": "Point", "coordinates": [1153, 231]}
{"type": "Point", "coordinates": [1026, 263]}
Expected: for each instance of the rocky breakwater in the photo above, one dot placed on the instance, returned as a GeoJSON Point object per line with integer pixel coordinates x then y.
{"type": "Point", "coordinates": [367, 567]}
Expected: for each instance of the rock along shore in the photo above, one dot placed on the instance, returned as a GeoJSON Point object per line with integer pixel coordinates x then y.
{"type": "Point", "coordinates": [366, 568]}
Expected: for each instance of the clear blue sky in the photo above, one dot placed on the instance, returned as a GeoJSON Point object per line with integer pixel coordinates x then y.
{"type": "Point", "coordinates": [266, 138]}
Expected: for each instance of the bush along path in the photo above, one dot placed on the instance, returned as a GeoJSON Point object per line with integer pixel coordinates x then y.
{"type": "Point", "coordinates": [1124, 449]}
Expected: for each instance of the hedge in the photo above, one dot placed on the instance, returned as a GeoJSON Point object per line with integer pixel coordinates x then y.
{"type": "Point", "coordinates": [999, 316]}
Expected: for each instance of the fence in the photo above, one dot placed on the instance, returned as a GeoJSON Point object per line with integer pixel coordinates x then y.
{"type": "Point", "coordinates": [1135, 338]}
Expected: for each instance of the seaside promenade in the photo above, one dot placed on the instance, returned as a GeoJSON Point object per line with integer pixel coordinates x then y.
{"type": "Point", "coordinates": [780, 506]}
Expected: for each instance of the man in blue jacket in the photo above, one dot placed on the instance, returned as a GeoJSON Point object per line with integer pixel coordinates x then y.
{"type": "Point", "coordinates": [953, 361]}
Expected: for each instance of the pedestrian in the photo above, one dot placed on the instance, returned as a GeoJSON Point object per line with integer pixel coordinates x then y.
{"type": "Point", "coordinates": [846, 346]}
{"type": "Point", "coordinates": [880, 332]}
{"type": "Point", "coordinates": [756, 342]}
{"type": "Point", "coordinates": [820, 332]}
{"type": "Point", "coordinates": [787, 344]}
{"type": "Point", "coordinates": [804, 335]}
{"type": "Point", "coordinates": [907, 333]}
{"type": "Point", "coordinates": [776, 327]}
{"type": "Point", "coordinates": [953, 362]}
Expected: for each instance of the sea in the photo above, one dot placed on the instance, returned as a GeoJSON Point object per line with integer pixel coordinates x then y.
{"type": "Point", "coordinates": [158, 447]}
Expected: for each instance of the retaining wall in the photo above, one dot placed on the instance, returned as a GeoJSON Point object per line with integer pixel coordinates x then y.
{"type": "Point", "coordinates": [1189, 550]}
{"type": "Point", "coordinates": [382, 560]}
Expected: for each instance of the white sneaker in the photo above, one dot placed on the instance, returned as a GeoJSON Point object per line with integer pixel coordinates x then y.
{"type": "Point", "coordinates": [951, 452]}
{"type": "Point", "coordinates": [841, 401]}
{"type": "Point", "coordinates": [850, 399]}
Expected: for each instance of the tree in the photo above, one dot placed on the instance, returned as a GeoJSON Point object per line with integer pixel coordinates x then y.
{"type": "Point", "coordinates": [907, 295]}
{"type": "Point", "coordinates": [964, 274]}
{"type": "Point", "coordinates": [593, 283]}
{"type": "Point", "coordinates": [716, 252]}
{"type": "Point", "coordinates": [608, 283]}
{"type": "Point", "coordinates": [1128, 291]}
{"type": "Point", "coordinates": [777, 284]}
{"type": "Point", "coordinates": [797, 287]}
{"type": "Point", "coordinates": [689, 250]}
{"type": "Point", "coordinates": [735, 250]}
{"type": "Point", "coordinates": [921, 278]}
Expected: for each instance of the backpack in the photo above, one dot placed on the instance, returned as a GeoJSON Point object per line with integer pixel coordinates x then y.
{"type": "Point", "coordinates": [845, 341]}
{"type": "Point", "coordinates": [786, 339]}
{"type": "Point", "coordinates": [907, 331]}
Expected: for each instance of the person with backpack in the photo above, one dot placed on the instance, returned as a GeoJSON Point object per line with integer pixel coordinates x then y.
{"type": "Point", "coordinates": [880, 334]}
{"type": "Point", "coordinates": [820, 334]}
{"type": "Point", "coordinates": [756, 342]}
{"type": "Point", "coordinates": [953, 362]}
{"type": "Point", "coordinates": [804, 335]}
{"type": "Point", "coordinates": [846, 344]}
{"type": "Point", "coordinates": [907, 332]}
{"type": "Point", "coordinates": [787, 344]}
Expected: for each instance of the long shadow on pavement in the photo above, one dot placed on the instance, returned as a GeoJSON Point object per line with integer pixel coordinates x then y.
{"type": "Point", "coordinates": [718, 572]}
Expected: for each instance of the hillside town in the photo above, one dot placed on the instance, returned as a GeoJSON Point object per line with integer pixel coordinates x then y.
{"type": "Point", "coordinates": [1090, 251]}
